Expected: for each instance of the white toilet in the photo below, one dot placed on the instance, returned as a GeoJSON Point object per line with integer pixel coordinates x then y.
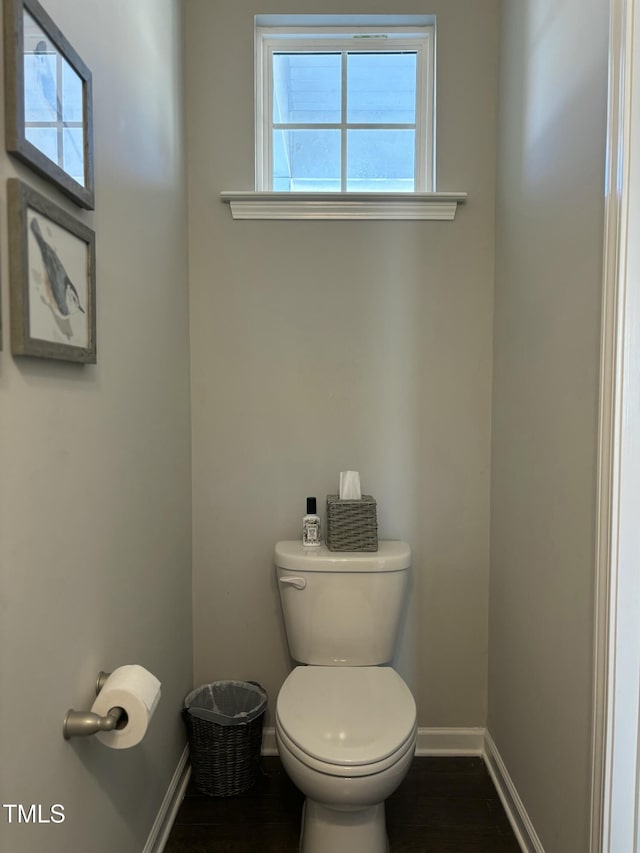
{"type": "Point", "coordinates": [345, 724]}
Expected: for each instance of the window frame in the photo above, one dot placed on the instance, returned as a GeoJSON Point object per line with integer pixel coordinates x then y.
{"type": "Point", "coordinates": [340, 39]}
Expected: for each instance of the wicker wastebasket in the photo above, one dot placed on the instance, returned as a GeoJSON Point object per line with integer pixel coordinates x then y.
{"type": "Point", "coordinates": [224, 723]}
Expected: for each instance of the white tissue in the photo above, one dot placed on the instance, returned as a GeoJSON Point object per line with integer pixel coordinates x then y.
{"type": "Point", "coordinates": [350, 486]}
{"type": "Point", "coordinates": [136, 690]}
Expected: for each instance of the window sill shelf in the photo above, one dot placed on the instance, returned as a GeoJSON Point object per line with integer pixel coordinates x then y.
{"type": "Point", "coordinates": [272, 205]}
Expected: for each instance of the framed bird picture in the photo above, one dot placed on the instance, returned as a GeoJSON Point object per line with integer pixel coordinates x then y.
{"type": "Point", "coordinates": [48, 101]}
{"type": "Point", "coordinates": [52, 280]}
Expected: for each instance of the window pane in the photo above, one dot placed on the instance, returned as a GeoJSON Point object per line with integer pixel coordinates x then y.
{"type": "Point", "coordinates": [74, 153]}
{"type": "Point", "coordinates": [45, 139]}
{"type": "Point", "coordinates": [306, 160]}
{"type": "Point", "coordinates": [40, 103]}
{"type": "Point", "coordinates": [380, 160]}
{"type": "Point", "coordinates": [306, 87]}
{"type": "Point", "coordinates": [71, 94]}
{"type": "Point", "coordinates": [41, 94]}
{"type": "Point", "coordinates": [381, 87]}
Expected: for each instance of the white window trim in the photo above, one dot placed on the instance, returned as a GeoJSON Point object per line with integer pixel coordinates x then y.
{"type": "Point", "coordinates": [283, 205]}
{"type": "Point", "coordinates": [420, 39]}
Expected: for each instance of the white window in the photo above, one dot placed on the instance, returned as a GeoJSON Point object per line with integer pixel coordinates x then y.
{"type": "Point", "coordinates": [344, 108]}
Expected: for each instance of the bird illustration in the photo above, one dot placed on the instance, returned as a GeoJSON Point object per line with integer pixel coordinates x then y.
{"type": "Point", "coordinates": [44, 77]}
{"type": "Point", "coordinates": [62, 296]}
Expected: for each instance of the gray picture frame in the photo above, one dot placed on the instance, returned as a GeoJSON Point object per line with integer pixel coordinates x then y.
{"type": "Point", "coordinates": [17, 96]}
{"type": "Point", "coordinates": [52, 282]}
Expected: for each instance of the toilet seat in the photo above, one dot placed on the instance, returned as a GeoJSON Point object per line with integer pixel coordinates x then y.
{"type": "Point", "coordinates": [344, 771]}
{"type": "Point", "coordinates": [346, 721]}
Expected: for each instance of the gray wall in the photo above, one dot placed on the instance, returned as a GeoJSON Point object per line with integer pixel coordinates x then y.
{"type": "Point", "coordinates": [322, 346]}
{"type": "Point", "coordinates": [95, 520]}
{"type": "Point", "coordinates": [546, 348]}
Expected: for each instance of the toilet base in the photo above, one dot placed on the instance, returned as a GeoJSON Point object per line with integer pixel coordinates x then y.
{"type": "Point", "coordinates": [327, 830]}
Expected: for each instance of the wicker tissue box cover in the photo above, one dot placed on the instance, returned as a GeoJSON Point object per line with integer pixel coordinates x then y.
{"type": "Point", "coordinates": [352, 525]}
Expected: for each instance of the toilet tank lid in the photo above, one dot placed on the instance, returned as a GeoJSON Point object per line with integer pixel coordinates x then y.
{"type": "Point", "coordinates": [391, 556]}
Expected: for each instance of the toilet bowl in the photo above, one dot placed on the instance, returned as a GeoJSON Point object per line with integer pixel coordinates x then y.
{"type": "Point", "coordinates": [346, 737]}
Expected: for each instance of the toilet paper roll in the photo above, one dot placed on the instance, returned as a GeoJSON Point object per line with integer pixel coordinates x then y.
{"type": "Point", "coordinates": [137, 691]}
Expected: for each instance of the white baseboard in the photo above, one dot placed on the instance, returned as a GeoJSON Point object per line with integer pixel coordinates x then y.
{"type": "Point", "coordinates": [513, 805]}
{"type": "Point", "coordinates": [269, 745]}
{"type": "Point", "coordinates": [431, 741]}
{"type": "Point", "coordinates": [163, 823]}
{"type": "Point", "coordinates": [450, 741]}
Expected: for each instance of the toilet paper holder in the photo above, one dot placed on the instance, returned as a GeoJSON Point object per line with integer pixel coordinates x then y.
{"type": "Point", "coordinates": [84, 723]}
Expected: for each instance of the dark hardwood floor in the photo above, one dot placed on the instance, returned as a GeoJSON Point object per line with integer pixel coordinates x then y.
{"type": "Point", "coordinates": [445, 805]}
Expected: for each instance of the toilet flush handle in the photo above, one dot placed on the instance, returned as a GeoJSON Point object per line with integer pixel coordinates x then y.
{"type": "Point", "coordinates": [299, 583]}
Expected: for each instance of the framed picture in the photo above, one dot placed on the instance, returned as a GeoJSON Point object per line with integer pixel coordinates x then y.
{"type": "Point", "coordinates": [48, 101]}
{"type": "Point", "coordinates": [52, 281]}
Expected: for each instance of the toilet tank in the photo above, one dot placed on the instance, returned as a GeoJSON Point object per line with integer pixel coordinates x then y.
{"type": "Point", "coordinates": [342, 608]}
